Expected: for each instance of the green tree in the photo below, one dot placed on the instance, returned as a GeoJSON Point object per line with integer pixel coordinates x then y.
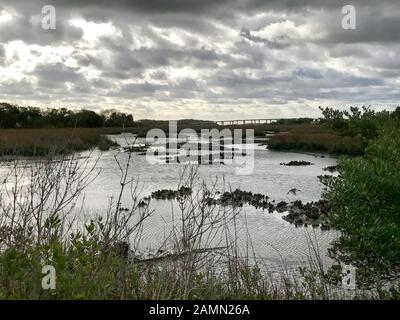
{"type": "Point", "coordinates": [115, 118]}
{"type": "Point", "coordinates": [396, 113]}
{"type": "Point", "coordinates": [14, 116]}
{"type": "Point", "coordinates": [87, 119]}
{"type": "Point", "coordinates": [364, 122]}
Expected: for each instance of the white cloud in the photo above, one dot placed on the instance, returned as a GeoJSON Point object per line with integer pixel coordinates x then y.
{"type": "Point", "coordinates": [92, 31]}
{"type": "Point", "coordinates": [224, 60]}
{"type": "Point", "coordinates": [6, 16]}
{"type": "Point", "coordinates": [287, 31]}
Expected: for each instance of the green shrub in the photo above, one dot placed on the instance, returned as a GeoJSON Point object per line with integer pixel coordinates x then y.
{"type": "Point", "coordinates": [365, 201]}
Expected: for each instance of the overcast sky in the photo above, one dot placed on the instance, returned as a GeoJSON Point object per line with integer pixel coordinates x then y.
{"type": "Point", "coordinates": [205, 59]}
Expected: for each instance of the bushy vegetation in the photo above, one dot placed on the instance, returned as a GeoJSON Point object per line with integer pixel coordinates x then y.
{"type": "Point", "coordinates": [87, 270]}
{"type": "Point", "coordinates": [365, 202]}
{"type": "Point", "coordinates": [356, 122]}
{"type": "Point", "coordinates": [338, 132]}
{"type": "Point", "coordinates": [13, 116]}
{"type": "Point", "coordinates": [295, 121]}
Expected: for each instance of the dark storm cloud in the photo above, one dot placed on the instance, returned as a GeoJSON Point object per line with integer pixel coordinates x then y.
{"type": "Point", "coordinates": [377, 23]}
{"type": "Point", "coordinates": [196, 6]}
{"type": "Point", "coordinates": [224, 53]}
{"type": "Point", "coordinates": [373, 25]}
{"type": "Point", "coordinates": [56, 75]}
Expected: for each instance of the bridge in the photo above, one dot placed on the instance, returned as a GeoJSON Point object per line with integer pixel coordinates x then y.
{"type": "Point", "coordinates": [247, 121]}
{"type": "Point", "coordinates": [255, 121]}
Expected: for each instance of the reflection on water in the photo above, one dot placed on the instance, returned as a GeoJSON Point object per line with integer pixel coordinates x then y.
{"type": "Point", "coordinates": [272, 239]}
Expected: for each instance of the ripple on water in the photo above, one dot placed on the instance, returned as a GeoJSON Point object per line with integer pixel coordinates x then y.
{"type": "Point", "coordinates": [273, 240]}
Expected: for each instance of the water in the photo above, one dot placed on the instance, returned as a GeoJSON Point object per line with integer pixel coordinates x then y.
{"type": "Point", "coordinates": [274, 241]}
{"type": "Point", "coordinates": [269, 177]}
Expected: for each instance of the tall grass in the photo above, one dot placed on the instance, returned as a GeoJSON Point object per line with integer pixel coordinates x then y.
{"type": "Point", "coordinates": [307, 137]}
{"type": "Point", "coordinates": [40, 142]}
{"type": "Point", "coordinates": [324, 142]}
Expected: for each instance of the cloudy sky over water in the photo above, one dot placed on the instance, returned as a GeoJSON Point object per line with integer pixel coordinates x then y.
{"type": "Point", "coordinates": [208, 59]}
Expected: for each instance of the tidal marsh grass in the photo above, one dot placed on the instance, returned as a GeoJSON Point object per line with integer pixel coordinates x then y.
{"type": "Point", "coordinates": [308, 137]}
{"type": "Point", "coordinates": [40, 142]}
{"type": "Point", "coordinates": [322, 142]}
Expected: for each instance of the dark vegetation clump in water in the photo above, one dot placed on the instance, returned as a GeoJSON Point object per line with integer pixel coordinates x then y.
{"type": "Point", "coordinates": [141, 150]}
{"type": "Point", "coordinates": [311, 213]}
{"type": "Point", "coordinates": [316, 214]}
{"type": "Point", "coordinates": [167, 194]}
{"type": "Point", "coordinates": [297, 163]}
{"type": "Point", "coordinates": [331, 168]}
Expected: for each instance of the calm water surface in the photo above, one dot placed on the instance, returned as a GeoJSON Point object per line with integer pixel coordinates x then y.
{"type": "Point", "coordinates": [274, 241]}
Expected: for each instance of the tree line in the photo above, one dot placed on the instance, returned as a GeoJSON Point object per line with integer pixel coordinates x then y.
{"type": "Point", "coordinates": [363, 122]}
{"type": "Point", "coordinates": [14, 117]}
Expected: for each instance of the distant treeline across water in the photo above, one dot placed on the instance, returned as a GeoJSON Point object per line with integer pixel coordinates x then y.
{"type": "Point", "coordinates": [14, 116]}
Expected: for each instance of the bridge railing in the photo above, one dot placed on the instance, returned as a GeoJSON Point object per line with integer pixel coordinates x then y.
{"type": "Point", "coordinates": [256, 121]}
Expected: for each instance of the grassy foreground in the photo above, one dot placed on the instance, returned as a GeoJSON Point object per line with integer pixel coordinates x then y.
{"type": "Point", "coordinates": [40, 142]}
